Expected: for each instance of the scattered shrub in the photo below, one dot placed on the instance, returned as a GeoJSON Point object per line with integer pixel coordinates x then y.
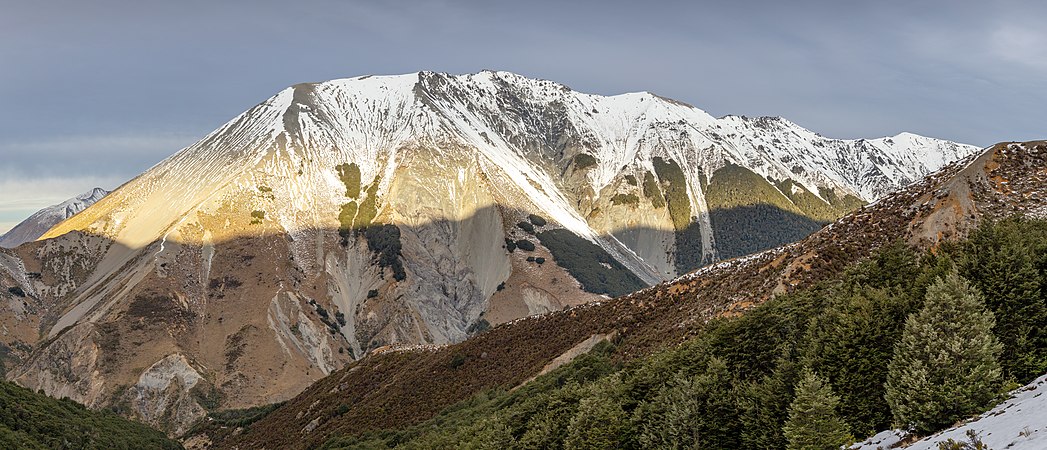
{"type": "Point", "coordinates": [525, 245]}
{"type": "Point", "coordinates": [536, 220]}
{"type": "Point", "coordinates": [584, 161]}
{"type": "Point", "coordinates": [625, 199]}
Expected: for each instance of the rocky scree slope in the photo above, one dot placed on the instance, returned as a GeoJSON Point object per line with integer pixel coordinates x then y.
{"type": "Point", "coordinates": [337, 218]}
{"type": "Point", "coordinates": [405, 386]}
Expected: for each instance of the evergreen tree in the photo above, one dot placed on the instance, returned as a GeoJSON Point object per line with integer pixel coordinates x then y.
{"type": "Point", "coordinates": [600, 422]}
{"type": "Point", "coordinates": [945, 366]}
{"type": "Point", "coordinates": [813, 423]}
{"type": "Point", "coordinates": [764, 406]}
{"type": "Point", "coordinates": [692, 412]}
{"type": "Point", "coordinates": [1008, 259]}
{"type": "Point", "coordinates": [851, 345]}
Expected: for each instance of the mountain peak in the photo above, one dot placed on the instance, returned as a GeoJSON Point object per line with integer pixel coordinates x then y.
{"type": "Point", "coordinates": [342, 216]}
{"type": "Point", "coordinates": [37, 224]}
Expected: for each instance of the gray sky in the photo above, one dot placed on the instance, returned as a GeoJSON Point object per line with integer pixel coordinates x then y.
{"type": "Point", "coordinates": [94, 93]}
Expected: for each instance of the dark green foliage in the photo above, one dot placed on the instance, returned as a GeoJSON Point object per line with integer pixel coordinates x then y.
{"type": "Point", "coordinates": [625, 199]}
{"type": "Point", "coordinates": [536, 220]}
{"type": "Point", "coordinates": [813, 423]}
{"type": "Point", "coordinates": [631, 180]}
{"type": "Point", "coordinates": [539, 260]}
{"type": "Point", "coordinates": [372, 293]}
{"type": "Point", "coordinates": [592, 266]}
{"type": "Point", "coordinates": [689, 251]}
{"type": "Point", "coordinates": [240, 417]}
{"type": "Point", "coordinates": [510, 245]}
{"type": "Point", "coordinates": [945, 365]}
{"type": "Point", "coordinates": [691, 411]}
{"type": "Point", "coordinates": [16, 291]}
{"type": "Point", "coordinates": [764, 406]}
{"type": "Point", "coordinates": [525, 245]}
{"type": "Point", "coordinates": [749, 215]}
{"type": "Point", "coordinates": [600, 423]}
{"type": "Point", "coordinates": [526, 226]}
{"type": "Point", "coordinates": [257, 217]}
{"type": "Point", "coordinates": [1008, 262]}
{"type": "Point", "coordinates": [846, 343]}
{"type": "Point", "coordinates": [206, 395]}
{"type": "Point", "coordinates": [457, 361]}
{"type": "Point", "coordinates": [651, 190]}
{"type": "Point", "coordinates": [358, 215]}
{"type": "Point", "coordinates": [34, 421]}
{"type": "Point", "coordinates": [350, 176]}
{"type": "Point", "coordinates": [829, 207]}
{"type": "Point", "coordinates": [584, 161]}
{"type": "Point", "coordinates": [744, 230]}
{"type": "Point", "coordinates": [342, 409]}
{"type": "Point", "coordinates": [384, 241]}
{"type": "Point", "coordinates": [479, 326]}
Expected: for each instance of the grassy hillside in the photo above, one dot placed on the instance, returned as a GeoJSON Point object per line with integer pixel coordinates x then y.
{"type": "Point", "coordinates": [34, 421]}
{"type": "Point", "coordinates": [732, 385]}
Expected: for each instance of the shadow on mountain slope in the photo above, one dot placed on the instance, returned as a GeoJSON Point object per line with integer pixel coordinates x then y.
{"type": "Point", "coordinates": [398, 388]}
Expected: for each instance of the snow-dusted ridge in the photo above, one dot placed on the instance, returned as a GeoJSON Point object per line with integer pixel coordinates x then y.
{"type": "Point", "coordinates": [525, 128]}
{"type": "Point", "coordinates": [38, 223]}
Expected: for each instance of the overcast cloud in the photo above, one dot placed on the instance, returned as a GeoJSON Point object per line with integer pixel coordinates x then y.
{"type": "Point", "coordinates": [93, 93]}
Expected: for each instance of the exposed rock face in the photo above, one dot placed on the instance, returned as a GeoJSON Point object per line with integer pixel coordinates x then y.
{"type": "Point", "coordinates": [339, 217]}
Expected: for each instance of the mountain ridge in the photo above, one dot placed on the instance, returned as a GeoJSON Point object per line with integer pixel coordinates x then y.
{"type": "Point", "coordinates": [37, 224]}
{"type": "Point", "coordinates": [339, 217]}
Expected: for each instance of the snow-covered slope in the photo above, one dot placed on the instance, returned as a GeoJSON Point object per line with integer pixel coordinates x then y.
{"type": "Point", "coordinates": [548, 148]}
{"type": "Point", "coordinates": [1020, 423]}
{"type": "Point", "coordinates": [37, 224]}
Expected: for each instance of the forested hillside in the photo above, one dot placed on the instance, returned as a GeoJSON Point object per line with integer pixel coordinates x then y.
{"type": "Point", "coordinates": [817, 367]}
{"type": "Point", "coordinates": [35, 421]}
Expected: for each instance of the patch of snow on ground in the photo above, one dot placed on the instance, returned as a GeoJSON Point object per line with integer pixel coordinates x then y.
{"type": "Point", "coordinates": [1019, 423]}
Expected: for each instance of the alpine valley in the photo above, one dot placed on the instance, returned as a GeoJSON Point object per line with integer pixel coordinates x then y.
{"type": "Point", "coordinates": [337, 219]}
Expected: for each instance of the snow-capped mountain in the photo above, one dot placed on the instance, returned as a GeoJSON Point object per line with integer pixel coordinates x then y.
{"type": "Point", "coordinates": [37, 224]}
{"type": "Point", "coordinates": [335, 218]}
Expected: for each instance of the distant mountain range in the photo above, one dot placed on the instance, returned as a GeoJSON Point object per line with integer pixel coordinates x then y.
{"type": "Point", "coordinates": [341, 217]}
{"type": "Point", "coordinates": [37, 224]}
